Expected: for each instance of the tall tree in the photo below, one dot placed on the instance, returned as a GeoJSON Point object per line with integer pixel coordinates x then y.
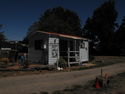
{"type": "Point", "coordinates": [120, 37]}
{"type": "Point", "coordinates": [2, 36]}
{"type": "Point", "coordinates": [58, 20]}
{"type": "Point", "coordinates": [100, 27]}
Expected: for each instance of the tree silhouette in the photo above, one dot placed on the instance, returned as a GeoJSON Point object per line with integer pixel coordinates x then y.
{"type": "Point", "coordinates": [120, 37]}
{"type": "Point", "coordinates": [58, 20]}
{"type": "Point", "coordinates": [2, 36]}
{"type": "Point", "coordinates": [100, 27]}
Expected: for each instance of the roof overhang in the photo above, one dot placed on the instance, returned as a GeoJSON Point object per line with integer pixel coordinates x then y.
{"type": "Point", "coordinates": [58, 35]}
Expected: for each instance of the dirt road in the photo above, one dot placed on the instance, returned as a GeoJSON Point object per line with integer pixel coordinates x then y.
{"type": "Point", "coordinates": [56, 81]}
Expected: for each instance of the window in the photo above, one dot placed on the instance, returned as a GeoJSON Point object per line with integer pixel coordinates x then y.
{"type": "Point", "coordinates": [82, 45]}
{"type": "Point", "coordinates": [38, 44]}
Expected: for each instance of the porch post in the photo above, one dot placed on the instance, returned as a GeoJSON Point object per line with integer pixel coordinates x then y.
{"type": "Point", "coordinates": [68, 54]}
{"type": "Point", "coordinates": [75, 46]}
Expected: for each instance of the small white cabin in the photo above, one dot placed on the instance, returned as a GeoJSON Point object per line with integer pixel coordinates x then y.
{"type": "Point", "coordinates": [47, 48]}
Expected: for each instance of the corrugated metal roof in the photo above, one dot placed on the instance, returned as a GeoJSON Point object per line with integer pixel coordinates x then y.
{"type": "Point", "coordinates": [61, 35]}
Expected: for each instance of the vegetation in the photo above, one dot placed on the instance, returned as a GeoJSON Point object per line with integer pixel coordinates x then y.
{"type": "Point", "coordinates": [2, 36]}
{"type": "Point", "coordinates": [116, 86]}
{"type": "Point", "coordinates": [62, 63]}
{"type": "Point", "coordinates": [100, 28]}
{"type": "Point", "coordinates": [96, 64]}
{"type": "Point", "coordinates": [120, 37]}
{"type": "Point", "coordinates": [58, 20]}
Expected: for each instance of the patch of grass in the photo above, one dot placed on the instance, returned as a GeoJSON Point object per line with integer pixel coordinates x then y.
{"type": "Point", "coordinates": [96, 64]}
{"type": "Point", "coordinates": [77, 86]}
{"type": "Point", "coordinates": [44, 92]}
{"type": "Point", "coordinates": [58, 92]}
{"type": "Point", "coordinates": [73, 88]}
{"type": "Point", "coordinates": [33, 93]}
{"type": "Point", "coordinates": [116, 82]}
{"type": "Point", "coordinates": [121, 74]}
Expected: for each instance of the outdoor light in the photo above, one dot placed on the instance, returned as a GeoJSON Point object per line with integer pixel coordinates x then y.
{"type": "Point", "coordinates": [44, 46]}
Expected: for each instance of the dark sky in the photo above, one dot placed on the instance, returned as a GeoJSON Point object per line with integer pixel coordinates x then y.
{"type": "Point", "coordinates": [18, 15]}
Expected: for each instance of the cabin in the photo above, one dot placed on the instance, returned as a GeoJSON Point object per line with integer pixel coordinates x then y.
{"type": "Point", "coordinates": [47, 48]}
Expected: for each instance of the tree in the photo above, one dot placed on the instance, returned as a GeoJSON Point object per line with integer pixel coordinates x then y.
{"type": "Point", "coordinates": [120, 37]}
{"type": "Point", "coordinates": [100, 27]}
{"type": "Point", "coordinates": [2, 36]}
{"type": "Point", "coordinates": [58, 20]}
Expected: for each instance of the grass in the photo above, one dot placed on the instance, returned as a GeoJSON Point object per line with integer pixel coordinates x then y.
{"type": "Point", "coordinates": [58, 92]}
{"type": "Point", "coordinates": [116, 86]}
{"type": "Point", "coordinates": [96, 64]}
{"type": "Point", "coordinates": [100, 62]}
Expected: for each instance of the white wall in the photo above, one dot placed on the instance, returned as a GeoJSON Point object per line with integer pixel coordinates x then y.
{"type": "Point", "coordinates": [84, 52]}
{"type": "Point", "coordinates": [53, 52]}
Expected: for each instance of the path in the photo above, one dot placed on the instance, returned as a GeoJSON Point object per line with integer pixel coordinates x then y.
{"type": "Point", "coordinates": [56, 81]}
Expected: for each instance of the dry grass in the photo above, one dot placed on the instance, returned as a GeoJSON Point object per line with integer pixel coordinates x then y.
{"type": "Point", "coordinates": [116, 86]}
{"type": "Point", "coordinates": [4, 59]}
{"type": "Point", "coordinates": [97, 62]}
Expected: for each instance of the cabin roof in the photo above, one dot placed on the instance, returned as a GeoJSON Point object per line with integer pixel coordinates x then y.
{"type": "Point", "coordinates": [60, 35]}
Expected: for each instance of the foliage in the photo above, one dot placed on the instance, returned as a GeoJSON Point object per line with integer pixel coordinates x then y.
{"type": "Point", "coordinates": [120, 37]}
{"type": "Point", "coordinates": [25, 41]}
{"type": "Point", "coordinates": [58, 20]}
{"type": "Point", "coordinates": [2, 36]}
{"type": "Point", "coordinates": [62, 63]}
{"type": "Point", "coordinates": [100, 27]}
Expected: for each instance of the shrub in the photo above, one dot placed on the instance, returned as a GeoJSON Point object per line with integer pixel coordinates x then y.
{"type": "Point", "coordinates": [62, 63]}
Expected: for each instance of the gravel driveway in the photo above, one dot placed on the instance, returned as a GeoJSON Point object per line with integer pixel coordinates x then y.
{"type": "Point", "coordinates": [56, 81]}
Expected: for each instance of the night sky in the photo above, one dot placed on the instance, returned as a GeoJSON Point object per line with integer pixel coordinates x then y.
{"type": "Point", "coordinates": [18, 15]}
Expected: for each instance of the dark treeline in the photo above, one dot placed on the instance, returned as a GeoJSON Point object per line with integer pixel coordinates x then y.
{"type": "Point", "coordinates": [2, 36]}
{"type": "Point", "coordinates": [106, 38]}
{"type": "Point", "coordinates": [105, 35]}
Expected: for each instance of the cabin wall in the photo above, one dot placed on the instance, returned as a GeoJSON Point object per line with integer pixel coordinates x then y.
{"type": "Point", "coordinates": [37, 56]}
{"type": "Point", "coordinates": [84, 51]}
{"type": "Point", "coordinates": [53, 53]}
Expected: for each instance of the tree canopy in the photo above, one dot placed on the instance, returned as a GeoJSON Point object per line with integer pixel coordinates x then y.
{"type": "Point", "coordinates": [120, 37]}
{"type": "Point", "coordinates": [2, 36]}
{"type": "Point", "coordinates": [58, 20]}
{"type": "Point", "coordinates": [100, 27]}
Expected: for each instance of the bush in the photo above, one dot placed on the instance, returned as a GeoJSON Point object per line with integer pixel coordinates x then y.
{"type": "Point", "coordinates": [62, 63]}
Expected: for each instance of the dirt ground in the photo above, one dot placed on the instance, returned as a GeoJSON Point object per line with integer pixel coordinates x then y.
{"type": "Point", "coordinates": [115, 86]}
{"type": "Point", "coordinates": [50, 82]}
